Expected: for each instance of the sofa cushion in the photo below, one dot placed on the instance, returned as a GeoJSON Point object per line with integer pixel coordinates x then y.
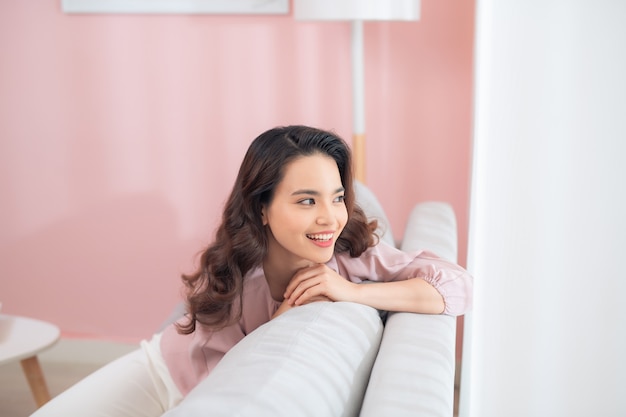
{"type": "Point", "coordinates": [313, 360]}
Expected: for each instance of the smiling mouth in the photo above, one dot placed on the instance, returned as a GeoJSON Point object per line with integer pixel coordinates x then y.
{"type": "Point", "coordinates": [322, 237]}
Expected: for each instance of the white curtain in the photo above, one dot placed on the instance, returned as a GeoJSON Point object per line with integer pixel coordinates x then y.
{"type": "Point", "coordinates": [547, 246]}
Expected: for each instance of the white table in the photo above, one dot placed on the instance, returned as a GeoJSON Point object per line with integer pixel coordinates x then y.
{"type": "Point", "coordinates": [21, 339]}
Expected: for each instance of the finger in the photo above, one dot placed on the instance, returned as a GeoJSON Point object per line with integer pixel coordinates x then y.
{"type": "Point", "coordinates": [283, 307]}
{"type": "Point", "coordinates": [301, 276]}
{"type": "Point", "coordinates": [317, 298]}
{"type": "Point", "coordinates": [304, 289]}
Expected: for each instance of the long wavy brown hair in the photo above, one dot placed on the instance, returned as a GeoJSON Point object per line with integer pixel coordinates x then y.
{"type": "Point", "coordinates": [214, 291]}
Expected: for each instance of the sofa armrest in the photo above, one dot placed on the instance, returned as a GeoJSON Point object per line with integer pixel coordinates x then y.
{"type": "Point", "coordinates": [313, 360]}
{"type": "Point", "coordinates": [414, 372]}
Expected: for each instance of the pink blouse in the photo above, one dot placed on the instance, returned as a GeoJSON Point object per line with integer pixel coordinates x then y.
{"type": "Point", "coordinates": [190, 358]}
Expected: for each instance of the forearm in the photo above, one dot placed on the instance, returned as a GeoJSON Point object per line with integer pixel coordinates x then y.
{"type": "Point", "coordinates": [412, 295]}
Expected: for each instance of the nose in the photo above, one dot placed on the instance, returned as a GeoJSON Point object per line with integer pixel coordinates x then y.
{"type": "Point", "coordinates": [325, 215]}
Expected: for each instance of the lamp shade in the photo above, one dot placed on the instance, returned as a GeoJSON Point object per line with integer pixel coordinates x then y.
{"type": "Point", "coordinates": [357, 9]}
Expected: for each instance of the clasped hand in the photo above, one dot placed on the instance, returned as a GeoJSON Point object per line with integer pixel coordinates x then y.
{"type": "Point", "coordinates": [316, 283]}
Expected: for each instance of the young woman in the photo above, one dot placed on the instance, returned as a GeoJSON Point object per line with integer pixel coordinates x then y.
{"type": "Point", "coordinates": [291, 234]}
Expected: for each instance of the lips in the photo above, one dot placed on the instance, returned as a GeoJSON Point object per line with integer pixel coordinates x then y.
{"type": "Point", "coordinates": [321, 237]}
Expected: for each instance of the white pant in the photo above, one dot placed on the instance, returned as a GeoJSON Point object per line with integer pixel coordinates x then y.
{"type": "Point", "coordinates": [135, 385]}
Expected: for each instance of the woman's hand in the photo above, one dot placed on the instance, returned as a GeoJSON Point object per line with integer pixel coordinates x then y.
{"type": "Point", "coordinates": [281, 309]}
{"type": "Point", "coordinates": [300, 289]}
{"type": "Point", "coordinates": [288, 306]}
{"type": "Point", "coordinates": [317, 283]}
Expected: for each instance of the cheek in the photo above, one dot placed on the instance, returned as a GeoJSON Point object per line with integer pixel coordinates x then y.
{"type": "Point", "coordinates": [343, 217]}
{"type": "Point", "coordinates": [289, 220]}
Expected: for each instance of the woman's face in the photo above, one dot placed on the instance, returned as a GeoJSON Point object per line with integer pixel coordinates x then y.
{"type": "Point", "coordinates": [307, 213]}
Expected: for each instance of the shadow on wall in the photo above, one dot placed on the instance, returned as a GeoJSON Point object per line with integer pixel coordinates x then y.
{"type": "Point", "coordinates": [112, 271]}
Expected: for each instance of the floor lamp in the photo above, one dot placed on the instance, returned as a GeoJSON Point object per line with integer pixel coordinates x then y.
{"type": "Point", "coordinates": [357, 11]}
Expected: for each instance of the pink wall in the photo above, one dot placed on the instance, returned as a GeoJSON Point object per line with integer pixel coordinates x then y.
{"type": "Point", "coordinates": [120, 137]}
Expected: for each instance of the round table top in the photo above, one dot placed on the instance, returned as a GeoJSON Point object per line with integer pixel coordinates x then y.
{"type": "Point", "coordinates": [22, 337]}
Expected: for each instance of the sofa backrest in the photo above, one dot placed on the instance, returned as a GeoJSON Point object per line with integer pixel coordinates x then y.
{"type": "Point", "coordinates": [366, 199]}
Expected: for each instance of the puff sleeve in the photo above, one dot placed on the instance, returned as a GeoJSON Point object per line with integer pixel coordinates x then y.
{"type": "Point", "coordinates": [386, 263]}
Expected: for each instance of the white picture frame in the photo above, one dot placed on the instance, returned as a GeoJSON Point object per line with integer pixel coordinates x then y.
{"type": "Point", "coordinates": [175, 6]}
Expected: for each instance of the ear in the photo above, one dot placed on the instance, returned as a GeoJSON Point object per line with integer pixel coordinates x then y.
{"type": "Point", "coordinates": [263, 215]}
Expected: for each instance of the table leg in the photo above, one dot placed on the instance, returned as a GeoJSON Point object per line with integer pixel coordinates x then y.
{"type": "Point", "coordinates": [35, 378]}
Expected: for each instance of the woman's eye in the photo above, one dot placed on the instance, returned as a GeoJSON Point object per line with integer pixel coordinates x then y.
{"type": "Point", "coordinates": [307, 201]}
{"type": "Point", "coordinates": [340, 199]}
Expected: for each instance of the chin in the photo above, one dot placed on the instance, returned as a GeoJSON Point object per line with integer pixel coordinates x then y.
{"type": "Point", "coordinates": [321, 258]}
{"type": "Point", "coordinates": [326, 258]}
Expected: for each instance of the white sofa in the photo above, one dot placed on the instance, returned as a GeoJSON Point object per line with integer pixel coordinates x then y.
{"type": "Point", "coordinates": [339, 359]}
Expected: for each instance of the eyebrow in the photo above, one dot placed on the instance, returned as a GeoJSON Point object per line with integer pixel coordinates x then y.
{"type": "Point", "coordinates": [316, 193]}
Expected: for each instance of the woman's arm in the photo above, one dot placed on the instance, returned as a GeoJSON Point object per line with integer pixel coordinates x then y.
{"type": "Point", "coordinates": [411, 295]}
{"type": "Point", "coordinates": [419, 282]}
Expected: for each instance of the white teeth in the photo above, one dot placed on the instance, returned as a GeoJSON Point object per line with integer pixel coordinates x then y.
{"type": "Point", "coordinates": [323, 236]}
